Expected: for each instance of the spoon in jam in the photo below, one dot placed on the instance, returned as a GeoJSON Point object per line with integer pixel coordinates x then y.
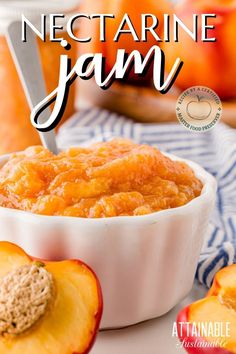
{"type": "Point", "coordinates": [27, 61]}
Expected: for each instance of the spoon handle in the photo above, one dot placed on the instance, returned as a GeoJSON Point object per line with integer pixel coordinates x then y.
{"type": "Point", "coordinates": [26, 58]}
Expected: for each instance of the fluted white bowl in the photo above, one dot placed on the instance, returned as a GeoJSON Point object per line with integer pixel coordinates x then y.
{"type": "Point", "coordinates": [146, 264]}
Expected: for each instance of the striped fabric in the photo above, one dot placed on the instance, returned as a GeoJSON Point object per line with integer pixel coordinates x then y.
{"type": "Point", "coordinates": [215, 150]}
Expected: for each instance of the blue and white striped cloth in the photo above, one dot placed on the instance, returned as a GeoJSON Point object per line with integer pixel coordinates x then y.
{"type": "Point", "coordinates": [215, 150]}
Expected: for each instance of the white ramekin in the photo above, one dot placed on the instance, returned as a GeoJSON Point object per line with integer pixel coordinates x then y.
{"type": "Point", "coordinates": [146, 264]}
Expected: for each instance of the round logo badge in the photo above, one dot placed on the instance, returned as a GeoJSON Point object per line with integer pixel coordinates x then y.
{"type": "Point", "coordinates": [198, 108]}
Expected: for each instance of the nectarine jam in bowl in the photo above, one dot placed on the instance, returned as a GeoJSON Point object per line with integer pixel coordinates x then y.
{"type": "Point", "coordinates": [115, 178]}
{"type": "Point", "coordinates": [136, 216]}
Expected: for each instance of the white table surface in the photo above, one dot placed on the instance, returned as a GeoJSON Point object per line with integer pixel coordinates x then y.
{"type": "Point", "coordinates": [151, 337]}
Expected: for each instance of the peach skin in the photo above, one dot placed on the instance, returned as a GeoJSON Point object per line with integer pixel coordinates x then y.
{"type": "Point", "coordinates": [46, 307]}
{"type": "Point", "coordinates": [211, 64]}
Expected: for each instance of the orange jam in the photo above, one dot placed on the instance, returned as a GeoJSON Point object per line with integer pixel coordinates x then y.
{"type": "Point", "coordinates": [108, 179]}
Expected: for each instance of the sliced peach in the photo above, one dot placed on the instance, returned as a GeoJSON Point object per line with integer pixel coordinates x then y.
{"type": "Point", "coordinates": [71, 321]}
{"type": "Point", "coordinates": [219, 306]}
{"type": "Point", "coordinates": [212, 310]}
{"type": "Point", "coordinates": [224, 279]}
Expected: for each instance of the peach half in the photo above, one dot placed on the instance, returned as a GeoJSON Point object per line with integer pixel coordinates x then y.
{"type": "Point", "coordinates": [46, 307]}
{"type": "Point", "coordinates": [217, 308]}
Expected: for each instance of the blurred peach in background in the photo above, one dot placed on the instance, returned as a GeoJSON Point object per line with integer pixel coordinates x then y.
{"type": "Point", "coordinates": [211, 64]}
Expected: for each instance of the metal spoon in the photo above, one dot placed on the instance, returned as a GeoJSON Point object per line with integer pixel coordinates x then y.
{"type": "Point", "coordinates": [27, 61]}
